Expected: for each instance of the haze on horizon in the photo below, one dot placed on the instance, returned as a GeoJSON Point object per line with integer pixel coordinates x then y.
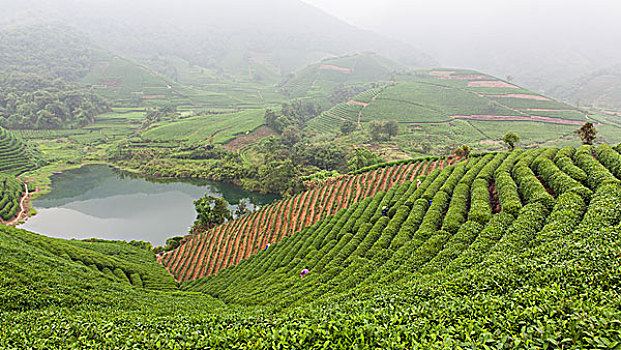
{"type": "Point", "coordinates": [529, 40]}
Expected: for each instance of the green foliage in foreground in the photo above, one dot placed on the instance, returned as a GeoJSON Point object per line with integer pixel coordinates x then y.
{"type": "Point", "coordinates": [543, 272]}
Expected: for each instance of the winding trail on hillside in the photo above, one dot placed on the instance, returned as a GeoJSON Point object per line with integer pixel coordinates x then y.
{"type": "Point", "coordinates": [21, 208]}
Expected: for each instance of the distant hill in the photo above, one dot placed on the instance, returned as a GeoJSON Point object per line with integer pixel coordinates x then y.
{"type": "Point", "coordinates": [438, 109]}
{"type": "Point", "coordinates": [600, 88]}
{"type": "Point", "coordinates": [322, 78]}
{"type": "Point", "coordinates": [246, 39]}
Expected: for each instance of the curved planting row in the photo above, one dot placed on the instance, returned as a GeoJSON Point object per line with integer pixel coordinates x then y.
{"type": "Point", "coordinates": [14, 157]}
{"type": "Point", "coordinates": [11, 193]}
{"type": "Point", "coordinates": [443, 231]}
{"type": "Point", "coordinates": [207, 253]}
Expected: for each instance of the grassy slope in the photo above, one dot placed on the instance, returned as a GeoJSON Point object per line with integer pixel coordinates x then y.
{"type": "Point", "coordinates": [426, 104]}
{"type": "Point", "coordinates": [541, 273]}
{"type": "Point", "coordinates": [218, 128]}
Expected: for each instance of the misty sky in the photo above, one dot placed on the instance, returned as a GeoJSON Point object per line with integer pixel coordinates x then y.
{"type": "Point", "coordinates": [592, 27]}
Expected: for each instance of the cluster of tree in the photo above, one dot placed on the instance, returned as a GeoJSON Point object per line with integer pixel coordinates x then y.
{"type": "Point", "coordinates": [47, 50]}
{"type": "Point", "coordinates": [345, 92]}
{"type": "Point", "coordinates": [210, 211]}
{"type": "Point", "coordinates": [154, 115]}
{"type": "Point", "coordinates": [295, 114]}
{"type": "Point", "coordinates": [208, 151]}
{"type": "Point", "coordinates": [361, 158]}
{"type": "Point", "coordinates": [462, 151]}
{"type": "Point", "coordinates": [30, 101]}
{"type": "Point", "coordinates": [383, 130]}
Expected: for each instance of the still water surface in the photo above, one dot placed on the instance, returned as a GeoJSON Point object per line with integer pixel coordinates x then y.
{"type": "Point", "coordinates": [102, 202]}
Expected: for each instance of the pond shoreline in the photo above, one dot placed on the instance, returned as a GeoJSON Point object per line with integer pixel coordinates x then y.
{"type": "Point", "coordinates": [121, 204]}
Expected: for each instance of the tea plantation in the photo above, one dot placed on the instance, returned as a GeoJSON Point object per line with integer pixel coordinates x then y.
{"type": "Point", "coordinates": [507, 250]}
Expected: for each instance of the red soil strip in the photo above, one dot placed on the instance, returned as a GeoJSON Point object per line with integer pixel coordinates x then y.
{"type": "Point", "coordinates": [360, 182]}
{"type": "Point", "coordinates": [491, 83]}
{"type": "Point", "coordinates": [183, 262]}
{"type": "Point", "coordinates": [549, 110]}
{"type": "Point", "coordinates": [178, 258]}
{"type": "Point", "coordinates": [216, 251]}
{"type": "Point", "coordinates": [384, 178]}
{"type": "Point", "coordinates": [154, 96]}
{"type": "Point", "coordinates": [232, 237]}
{"type": "Point", "coordinates": [358, 103]}
{"type": "Point", "coordinates": [260, 233]}
{"type": "Point", "coordinates": [348, 193]}
{"type": "Point", "coordinates": [110, 82]}
{"type": "Point", "coordinates": [209, 237]}
{"type": "Point", "coordinates": [310, 215]}
{"type": "Point", "coordinates": [524, 96]}
{"type": "Point", "coordinates": [278, 223]}
{"type": "Point", "coordinates": [334, 195]}
{"type": "Point", "coordinates": [252, 138]}
{"type": "Point", "coordinates": [203, 255]}
{"type": "Point", "coordinates": [311, 206]}
{"type": "Point", "coordinates": [469, 77]}
{"type": "Point", "coordinates": [269, 230]}
{"type": "Point", "coordinates": [441, 73]}
{"type": "Point", "coordinates": [336, 68]}
{"type": "Point", "coordinates": [299, 222]}
{"type": "Point", "coordinates": [320, 205]}
{"type": "Point", "coordinates": [247, 227]}
{"type": "Point", "coordinates": [373, 179]}
{"type": "Point", "coordinates": [191, 268]}
{"type": "Point", "coordinates": [533, 118]}
{"type": "Point", "coordinates": [415, 172]}
{"type": "Point", "coordinates": [286, 214]}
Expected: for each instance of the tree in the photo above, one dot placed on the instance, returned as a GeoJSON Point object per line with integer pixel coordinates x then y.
{"type": "Point", "coordinates": [359, 158]}
{"type": "Point", "coordinates": [463, 151]}
{"type": "Point", "coordinates": [242, 209]}
{"type": "Point", "coordinates": [270, 118]}
{"type": "Point", "coordinates": [348, 127]}
{"type": "Point", "coordinates": [290, 136]}
{"type": "Point", "coordinates": [383, 130]}
{"type": "Point", "coordinates": [391, 128]}
{"type": "Point", "coordinates": [510, 139]}
{"type": "Point", "coordinates": [587, 133]}
{"type": "Point", "coordinates": [210, 211]}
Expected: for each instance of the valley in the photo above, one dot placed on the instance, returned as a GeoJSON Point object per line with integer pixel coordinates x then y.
{"type": "Point", "coordinates": [209, 175]}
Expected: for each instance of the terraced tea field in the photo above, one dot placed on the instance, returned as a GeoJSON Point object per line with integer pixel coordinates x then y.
{"type": "Point", "coordinates": [422, 100]}
{"type": "Point", "coordinates": [463, 219]}
{"type": "Point", "coordinates": [208, 252]}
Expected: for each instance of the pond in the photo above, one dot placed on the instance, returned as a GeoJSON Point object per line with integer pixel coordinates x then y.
{"type": "Point", "coordinates": [102, 202]}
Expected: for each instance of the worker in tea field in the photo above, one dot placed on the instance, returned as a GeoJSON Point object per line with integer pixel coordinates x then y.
{"type": "Point", "coordinates": [384, 211]}
{"type": "Point", "coordinates": [267, 246]}
{"type": "Point", "coordinates": [418, 183]}
{"type": "Point", "coordinates": [303, 272]}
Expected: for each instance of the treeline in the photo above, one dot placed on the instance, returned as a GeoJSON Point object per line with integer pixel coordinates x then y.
{"type": "Point", "coordinates": [31, 101]}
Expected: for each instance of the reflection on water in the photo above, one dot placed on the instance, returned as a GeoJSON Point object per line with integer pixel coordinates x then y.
{"type": "Point", "coordinates": [99, 201]}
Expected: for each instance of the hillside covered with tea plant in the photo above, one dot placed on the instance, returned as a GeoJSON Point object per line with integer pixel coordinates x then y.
{"type": "Point", "coordinates": [505, 250]}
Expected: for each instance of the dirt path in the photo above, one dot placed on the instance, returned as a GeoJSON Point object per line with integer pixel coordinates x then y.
{"type": "Point", "coordinates": [22, 208]}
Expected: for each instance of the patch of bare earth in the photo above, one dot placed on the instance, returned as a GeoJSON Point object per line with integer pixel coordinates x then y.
{"type": "Point", "coordinates": [441, 73]}
{"type": "Point", "coordinates": [358, 103]}
{"type": "Point", "coordinates": [469, 77]}
{"type": "Point", "coordinates": [548, 110]}
{"type": "Point", "coordinates": [491, 84]}
{"type": "Point", "coordinates": [251, 138]}
{"type": "Point", "coordinates": [336, 68]}
{"type": "Point", "coordinates": [524, 96]}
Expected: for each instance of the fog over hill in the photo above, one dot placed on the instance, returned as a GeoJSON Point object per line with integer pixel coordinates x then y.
{"type": "Point", "coordinates": [544, 45]}
{"type": "Point", "coordinates": [281, 35]}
